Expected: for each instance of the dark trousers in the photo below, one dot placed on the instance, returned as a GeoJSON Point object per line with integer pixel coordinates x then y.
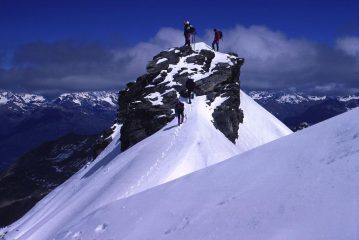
{"type": "Point", "coordinates": [190, 95]}
{"type": "Point", "coordinates": [180, 117]}
{"type": "Point", "coordinates": [187, 38]}
{"type": "Point", "coordinates": [215, 42]}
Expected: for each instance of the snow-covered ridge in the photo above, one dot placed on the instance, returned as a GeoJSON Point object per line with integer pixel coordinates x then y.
{"type": "Point", "coordinates": [94, 98]}
{"type": "Point", "coordinates": [299, 187]}
{"type": "Point", "coordinates": [157, 155]}
{"type": "Point", "coordinates": [260, 95]}
{"type": "Point", "coordinates": [296, 97]}
{"type": "Point", "coordinates": [3, 99]}
{"type": "Point", "coordinates": [291, 98]}
{"type": "Point", "coordinates": [25, 100]}
{"type": "Point", "coordinates": [21, 100]}
{"type": "Point", "coordinates": [166, 155]}
{"type": "Point", "coordinates": [282, 97]}
{"type": "Point", "coordinates": [348, 98]}
{"type": "Point", "coordinates": [317, 98]}
{"type": "Point", "coordinates": [259, 126]}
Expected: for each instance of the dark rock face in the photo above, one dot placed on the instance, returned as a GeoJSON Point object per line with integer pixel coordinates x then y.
{"type": "Point", "coordinates": [103, 141]}
{"type": "Point", "coordinates": [147, 104]}
{"type": "Point", "coordinates": [40, 171]}
{"type": "Point", "coordinates": [301, 126]}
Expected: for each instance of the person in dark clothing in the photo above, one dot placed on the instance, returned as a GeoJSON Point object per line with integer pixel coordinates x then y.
{"type": "Point", "coordinates": [190, 85]}
{"type": "Point", "coordinates": [179, 109]}
{"type": "Point", "coordinates": [217, 36]}
{"type": "Point", "coordinates": [188, 31]}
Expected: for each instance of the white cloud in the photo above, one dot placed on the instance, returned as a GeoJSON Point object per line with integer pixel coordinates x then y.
{"type": "Point", "coordinates": [138, 56]}
{"type": "Point", "coordinates": [268, 52]}
{"type": "Point", "coordinates": [275, 61]}
{"type": "Point", "coordinates": [272, 61]}
{"type": "Point", "coordinates": [349, 45]}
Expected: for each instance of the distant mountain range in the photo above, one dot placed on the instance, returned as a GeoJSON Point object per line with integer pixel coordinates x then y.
{"type": "Point", "coordinates": [29, 120]}
{"type": "Point", "coordinates": [47, 141]}
{"type": "Point", "coordinates": [295, 108]}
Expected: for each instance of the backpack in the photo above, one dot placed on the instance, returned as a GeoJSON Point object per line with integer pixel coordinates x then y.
{"type": "Point", "coordinates": [190, 85]}
{"type": "Point", "coordinates": [192, 29]}
{"type": "Point", "coordinates": [220, 34]}
{"type": "Point", "coordinates": [180, 106]}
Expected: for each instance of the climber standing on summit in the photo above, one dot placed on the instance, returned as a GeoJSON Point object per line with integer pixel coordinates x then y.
{"type": "Point", "coordinates": [179, 109]}
{"type": "Point", "coordinates": [188, 31]}
{"type": "Point", "coordinates": [190, 85]}
{"type": "Point", "coordinates": [218, 35]}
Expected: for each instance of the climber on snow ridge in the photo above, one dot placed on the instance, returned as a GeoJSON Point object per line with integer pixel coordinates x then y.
{"type": "Point", "coordinates": [190, 85]}
{"type": "Point", "coordinates": [179, 109]}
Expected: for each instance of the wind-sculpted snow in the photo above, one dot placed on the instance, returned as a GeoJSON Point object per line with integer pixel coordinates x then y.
{"type": "Point", "coordinates": [172, 152]}
{"type": "Point", "coordinates": [304, 186]}
{"type": "Point", "coordinates": [259, 126]}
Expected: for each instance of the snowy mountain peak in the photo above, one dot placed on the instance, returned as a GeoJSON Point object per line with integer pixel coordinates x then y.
{"type": "Point", "coordinates": [283, 97]}
{"type": "Point", "coordinates": [20, 98]}
{"type": "Point", "coordinates": [292, 97]}
{"type": "Point", "coordinates": [157, 149]}
{"type": "Point", "coordinates": [3, 98]}
{"type": "Point", "coordinates": [348, 98]}
{"type": "Point", "coordinates": [168, 154]}
{"type": "Point", "coordinates": [25, 102]}
{"type": "Point", "coordinates": [21, 101]}
{"type": "Point", "coordinates": [146, 105]}
{"type": "Point", "coordinates": [89, 98]}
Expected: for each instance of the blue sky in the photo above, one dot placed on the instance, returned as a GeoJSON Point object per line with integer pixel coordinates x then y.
{"type": "Point", "coordinates": [122, 25]}
{"type": "Point", "coordinates": [133, 21]}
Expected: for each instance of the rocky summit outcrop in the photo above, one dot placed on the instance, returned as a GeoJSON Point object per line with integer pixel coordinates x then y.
{"type": "Point", "coordinates": [147, 104]}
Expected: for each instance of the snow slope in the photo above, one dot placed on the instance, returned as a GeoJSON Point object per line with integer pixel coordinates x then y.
{"type": "Point", "coordinates": [168, 154]}
{"type": "Point", "coordinates": [259, 126]}
{"type": "Point", "coordinates": [303, 186]}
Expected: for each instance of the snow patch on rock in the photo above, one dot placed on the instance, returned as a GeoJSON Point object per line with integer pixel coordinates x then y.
{"type": "Point", "coordinates": [155, 98]}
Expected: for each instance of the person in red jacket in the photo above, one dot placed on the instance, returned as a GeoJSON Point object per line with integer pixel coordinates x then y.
{"type": "Point", "coordinates": [217, 36]}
